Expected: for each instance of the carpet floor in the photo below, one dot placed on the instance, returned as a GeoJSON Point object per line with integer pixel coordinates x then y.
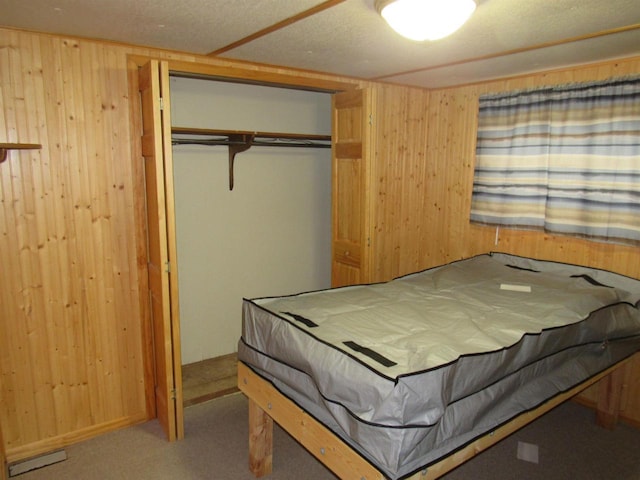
{"type": "Point", "coordinates": [567, 444]}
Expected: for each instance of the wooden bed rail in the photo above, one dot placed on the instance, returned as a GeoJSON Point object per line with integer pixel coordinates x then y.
{"type": "Point", "coordinates": [267, 404]}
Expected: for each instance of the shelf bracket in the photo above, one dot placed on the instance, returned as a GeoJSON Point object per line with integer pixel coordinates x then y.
{"type": "Point", "coordinates": [237, 143]}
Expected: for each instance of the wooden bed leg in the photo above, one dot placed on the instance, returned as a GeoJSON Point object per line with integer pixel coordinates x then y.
{"type": "Point", "coordinates": [260, 440]}
{"type": "Point", "coordinates": [609, 395]}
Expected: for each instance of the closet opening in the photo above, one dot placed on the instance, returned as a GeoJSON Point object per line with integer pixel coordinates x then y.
{"type": "Point", "coordinates": [269, 235]}
{"type": "Point", "coordinates": [255, 224]}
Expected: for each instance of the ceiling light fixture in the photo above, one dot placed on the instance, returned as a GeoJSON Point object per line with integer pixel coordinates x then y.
{"type": "Point", "coordinates": [425, 19]}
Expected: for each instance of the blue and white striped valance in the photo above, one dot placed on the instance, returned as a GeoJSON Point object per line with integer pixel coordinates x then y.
{"type": "Point", "coordinates": [563, 159]}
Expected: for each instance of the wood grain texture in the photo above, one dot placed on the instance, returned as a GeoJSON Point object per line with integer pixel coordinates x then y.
{"type": "Point", "coordinates": [351, 177]}
{"type": "Point", "coordinates": [76, 353]}
{"type": "Point", "coordinates": [278, 26]}
{"type": "Point", "coordinates": [398, 190]}
{"type": "Point", "coordinates": [260, 441]}
{"type": "Point", "coordinates": [70, 330]}
{"type": "Point", "coordinates": [158, 256]}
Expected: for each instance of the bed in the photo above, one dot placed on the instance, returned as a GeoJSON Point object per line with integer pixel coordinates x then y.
{"type": "Point", "coordinates": [410, 377]}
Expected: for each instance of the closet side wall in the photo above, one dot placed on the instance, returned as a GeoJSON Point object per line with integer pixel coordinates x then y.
{"type": "Point", "coordinates": [270, 235]}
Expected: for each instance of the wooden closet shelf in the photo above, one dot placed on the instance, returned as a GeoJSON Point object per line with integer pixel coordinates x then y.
{"type": "Point", "coordinates": [5, 147]}
{"type": "Point", "coordinates": [227, 133]}
{"type": "Point", "coordinates": [241, 140]}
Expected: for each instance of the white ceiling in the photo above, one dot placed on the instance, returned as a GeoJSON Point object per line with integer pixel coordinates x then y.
{"type": "Point", "coordinates": [502, 38]}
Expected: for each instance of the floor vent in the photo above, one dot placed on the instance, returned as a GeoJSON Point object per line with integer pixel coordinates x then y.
{"type": "Point", "coordinates": [37, 462]}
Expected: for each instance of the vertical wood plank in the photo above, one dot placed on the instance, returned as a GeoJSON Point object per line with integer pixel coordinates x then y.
{"type": "Point", "coordinates": [351, 177]}
{"type": "Point", "coordinates": [260, 441]}
{"type": "Point", "coordinates": [609, 397]}
{"type": "Point", "coordinates": [140, 234]}
{"type": "Point", "coordinates": [70, 337]}
{"type": "Point", "coordinates": [398, 182]}
{"type": "Point", "coordinates": [172, 250]}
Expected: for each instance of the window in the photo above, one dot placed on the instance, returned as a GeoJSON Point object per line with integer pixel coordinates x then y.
{"type": "Point", "coordinates": [564, 160]}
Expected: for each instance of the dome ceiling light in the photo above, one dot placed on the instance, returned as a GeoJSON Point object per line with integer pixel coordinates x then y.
{"type": "Point", "coordinates": [425, 19]}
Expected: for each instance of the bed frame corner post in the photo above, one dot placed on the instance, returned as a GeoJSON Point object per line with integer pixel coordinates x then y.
{"type": "Point", "coordinates": [609, 398]}
{"type": "Point", "coordinates": [260, 440]}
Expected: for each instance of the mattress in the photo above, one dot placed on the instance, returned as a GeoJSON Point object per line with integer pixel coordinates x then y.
{"type": "Point", "coordinates": [411, 370]}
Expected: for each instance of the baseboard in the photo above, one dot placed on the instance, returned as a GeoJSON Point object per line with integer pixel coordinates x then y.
{"type": "Point", "coordinates": [23, 452]}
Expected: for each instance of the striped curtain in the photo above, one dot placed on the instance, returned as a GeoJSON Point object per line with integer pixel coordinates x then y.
{"type": "Point", "coordinates": [564, 159]}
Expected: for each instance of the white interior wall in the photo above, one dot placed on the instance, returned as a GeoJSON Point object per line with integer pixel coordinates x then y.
{"type": "Point", "coordinates": [271, 235]}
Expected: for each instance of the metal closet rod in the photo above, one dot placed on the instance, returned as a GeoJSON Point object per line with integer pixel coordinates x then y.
{"type": "Point", "coordinates": [240, 141]}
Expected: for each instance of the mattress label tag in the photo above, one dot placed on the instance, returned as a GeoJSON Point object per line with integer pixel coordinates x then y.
{"type": "Point", "coordinates": [515, 288]}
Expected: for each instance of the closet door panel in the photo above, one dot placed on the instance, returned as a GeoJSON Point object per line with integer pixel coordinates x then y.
{"type": "Point", "coordinates": [172, 249]}
{"type": "Point", "coordinates": [351, 176]}
{"type": "Point", "coordinates": [167, 385]}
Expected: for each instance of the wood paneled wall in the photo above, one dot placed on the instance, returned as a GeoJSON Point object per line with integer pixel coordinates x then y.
{"type": "Point", "coordinates": [445, 196]}
{"type": "Point", "coordinates": [400, 171]}
{"type": "Point", "coordinates": [423, 175]}
{"type": "Point", "coordinates": [73, 301]}
{"type": "Point", "coordinates": [70, 331]}
{"type": "Point", "coordinates": [451, 151]}
{"type": "Point", "coordinates": [72, 277]}
{"type": "Point", "coordinates": [421, 190]}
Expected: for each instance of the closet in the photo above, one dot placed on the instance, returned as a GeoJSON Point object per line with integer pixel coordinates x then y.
{"type": "Point", "coordinates": [378, 199]}
{"type": "Point", "coordinates": [268, 235]}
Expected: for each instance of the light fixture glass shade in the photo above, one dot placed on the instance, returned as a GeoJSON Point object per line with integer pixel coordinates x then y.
{"type": "Point", "coordinates": [425, 19]}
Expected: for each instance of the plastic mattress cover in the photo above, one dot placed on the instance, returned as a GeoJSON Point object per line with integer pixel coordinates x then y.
{"type": "Point", "coordinates": [409, 371]}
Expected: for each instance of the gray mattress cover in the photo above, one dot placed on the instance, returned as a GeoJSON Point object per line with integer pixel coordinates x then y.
{"type": "Point", "coordinates": [411, 370]}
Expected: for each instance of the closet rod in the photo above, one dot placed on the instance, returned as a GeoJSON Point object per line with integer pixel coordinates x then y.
{"type": "Point", "coordinates": [226, 133]}
{"type": "Point", "coordinates": [276, 142]}
{"type": "Point", "coordinates": [240, 141]}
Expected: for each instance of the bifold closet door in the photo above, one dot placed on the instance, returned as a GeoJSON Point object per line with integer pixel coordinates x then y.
{"type": "Point", "coordinates": [351, 172]}
{"type": "Point", "coordinates": [162, 261]}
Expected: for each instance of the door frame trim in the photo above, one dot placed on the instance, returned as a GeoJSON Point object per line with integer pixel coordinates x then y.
{"type": "Point", "coordinates": [231, 71]}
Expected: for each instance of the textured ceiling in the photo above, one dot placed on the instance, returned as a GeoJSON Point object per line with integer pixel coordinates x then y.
{"type": "Point", "coordinates": [502, 38]}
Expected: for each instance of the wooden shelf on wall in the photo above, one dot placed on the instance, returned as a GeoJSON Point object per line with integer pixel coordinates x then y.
{"type": "Point", "coordinates": [5, 147]}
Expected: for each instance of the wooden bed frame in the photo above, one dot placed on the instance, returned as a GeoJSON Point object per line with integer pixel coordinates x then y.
{"type": "Point", "coordinates": [267, 404]}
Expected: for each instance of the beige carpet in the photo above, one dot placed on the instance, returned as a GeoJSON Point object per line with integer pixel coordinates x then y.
{"type": "Point", "coordinates": [570, 447]}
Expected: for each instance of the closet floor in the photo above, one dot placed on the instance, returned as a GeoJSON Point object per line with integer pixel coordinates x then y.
{"type": "Point", "coordinates": [208, 379]}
